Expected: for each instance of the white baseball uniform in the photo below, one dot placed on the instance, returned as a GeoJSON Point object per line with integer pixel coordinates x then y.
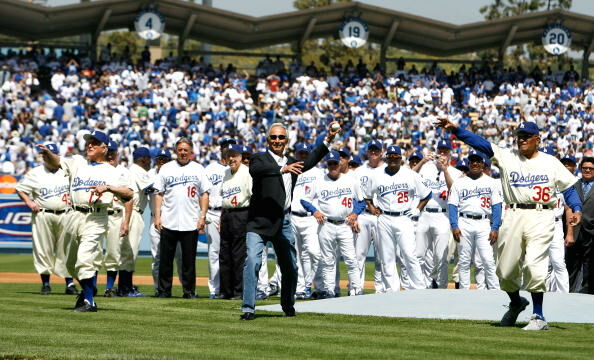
{"type": "Point", "coordinates": [558, 280]}
{"type": "Point", "coordinates": [475, 199]}
{"type": "Point", "coordinates": [336, 200]}
{"type": "Point", "coordinates": [525, 232]}
{"type": "Point", "coordinates": [433, 230]}
{"type": "Point", "coordinates": [155, 237]}
{"type": "Point", "coordinates": [395, 195]}
{"type": "Point", "coordinates": [88, 224]}
{"type": "Point", "coordinates": [130, 243]}
{"type": "Point", "coordinates": [215, 172]}
{"type": "Point", "coordinates": [368, 232]}
{"type": "Point", "coordinates": [305, 228]}
{"type": "Point", "coordinates": [113, 241]}
{"type": "Point", "coordinates": [50, 191]}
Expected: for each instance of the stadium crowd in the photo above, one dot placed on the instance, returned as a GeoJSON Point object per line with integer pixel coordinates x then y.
{"type": "Point", "coordinates": [154, 105]}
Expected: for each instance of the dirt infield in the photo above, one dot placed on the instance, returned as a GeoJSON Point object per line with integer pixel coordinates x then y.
{"type": "Point", "coordinates": [32, 278]}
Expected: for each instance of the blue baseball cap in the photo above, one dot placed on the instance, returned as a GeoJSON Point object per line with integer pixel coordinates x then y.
{"type": "Point", "coordinates": [141, 152]}
{"type": "Point", "coordinates": [226, 141]}
{"type": "Point", "coordinates": [549, 150]}
{"type": "Point", "coordinates": [444, 144]}
{"type": "Point", "coordinates": [163, 153]}
{"type": "Point", "coordinates": [302, 147]}
{"type": "Point", "coordinates": [473, 154]}
{"type": "Point", "coordinates": [570, 158]}
{"type": "Point", "coordinates": [394, 150]}
{"type": "Point", "coordinates": [97, 135]}
{"type": "Point", "coordinates": [356, 159]}
{"type": "Point", "coordinates": [487, 163]}
{"type": "Point", "coordinates": [528, 127]}
{"type": "Point", "coordinates": [345, 152]}
{"type": "Point", "coordinates": [51, 147]}
{"type": "Point", "coordinates": [374, 143]}
{"type": "Point", "coordinates": [236, 147]}
{"type": "Point", "coordinates": [332, 156]}
{"type": "Point", "coordinates": [246, 149]}
{"type": "Point", "coordinates": [416, 155]}
{"type": "Point", "coordinates": [462, 165]}
{"type": "Point", "coordinates": [113, 146]}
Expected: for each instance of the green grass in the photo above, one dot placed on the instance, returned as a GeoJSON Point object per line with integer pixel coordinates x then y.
{"type": "Point", "coordinates": [43, 327]}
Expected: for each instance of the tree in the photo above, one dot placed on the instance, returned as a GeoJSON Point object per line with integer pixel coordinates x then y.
{"type": "Point", "coordinates": [533, 53]}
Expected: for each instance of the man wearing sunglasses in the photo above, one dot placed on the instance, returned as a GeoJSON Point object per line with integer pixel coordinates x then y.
{"type": "Point", "coordinates": [269, 215]}
{"type": "Point", "coordinates": [529, 178]}
{"type": "Point", "coordinates": [579, 240]}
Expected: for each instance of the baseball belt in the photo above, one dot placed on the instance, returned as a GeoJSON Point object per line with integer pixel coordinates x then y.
{"type": "Point", "coordinates": [300, 214]}
{"type": "Point", "coordinates": [529, 206]}
{"type": "Point", "coordinates": [431, 210]}
{"type": "Point", "coordinates": [336, 222]}
{"type": "Point", "coordinates": [87, 210]}
{"type": "Point", "coordinates": [395, 213]}
{"type": "Point", "coordinates": [474, 217]}
{"type": "Point", "coordinates": [56, 212]}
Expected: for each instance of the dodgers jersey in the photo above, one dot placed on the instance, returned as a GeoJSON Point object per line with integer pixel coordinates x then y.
{"type": "Point", "coordinates": [215, 172]}
{"type": "Point", "coordinates": [435, 180]}
{"type": "Point", "coordinates": [364, 173]}
{"type": "Point", "coordinates": [335, 197]}
{"type": "Point", "coordinates": [531, 181]}
{"type": "Point", "coordinates": [303, 184]}
{"type": "Point", "coordinates": [397, 192]}
{"type": "Point", "coordinates": [141, 182]}
{"type": "Point", "coordinates": [236, 189]}
{"type": "Point", "coordinates": [181, 187]}
{"type": "Point", "coordinates": [474, 197]}
{"type": "Point", "coordinates": [125, 173]}
{"type": "Point", "coordinates": [85, 174]}
{"type": "Point", "coordinates": [48, 189]}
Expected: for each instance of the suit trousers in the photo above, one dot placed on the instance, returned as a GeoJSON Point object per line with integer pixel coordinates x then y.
{"type": "Point", "coordinates": [189, 242]}
{"type": "Point", "coordinates": [233, 250]}
{"type": "Point", "coordinates": [581, 256]}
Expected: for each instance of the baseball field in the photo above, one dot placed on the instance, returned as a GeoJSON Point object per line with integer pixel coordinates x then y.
{"type": "Point", "coordinates": [44, 327]}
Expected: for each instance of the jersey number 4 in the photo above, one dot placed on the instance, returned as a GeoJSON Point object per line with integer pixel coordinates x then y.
{"type": "Point", "coordinates": [444, 195]}
{"type": "Point", "coordinates": [542, 194]}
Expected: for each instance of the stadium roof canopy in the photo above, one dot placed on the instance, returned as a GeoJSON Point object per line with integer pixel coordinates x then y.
{"type": "Point", "coordinates": [215, 26]}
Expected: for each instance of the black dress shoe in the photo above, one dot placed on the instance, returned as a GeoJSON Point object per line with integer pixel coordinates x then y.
{"type": "Point", "coordinates": [290, 312]}
{"type": "Point", "coordinates": [247, 316]}
{"type": "Point", "coordinates": [190, 296]}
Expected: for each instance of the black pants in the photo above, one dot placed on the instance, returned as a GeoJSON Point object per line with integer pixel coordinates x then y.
{"type": "Point", "coordinates": [189, 242]}
{"type": "Point", "coordinates": [581, 256]}
{"type": "Point", "coordinates": [233, 251]}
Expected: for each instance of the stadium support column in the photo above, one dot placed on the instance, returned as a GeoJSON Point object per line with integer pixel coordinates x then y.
{"type": "Point", "coordinates": [586, 59]}
{"type": "Point", "coordinates": [184, 35]}
{"type": "Point", "coordinates": [506, 43]}
{"type": "Point", "coordinates": [305, 36]}
{"type": "Point", "coordinates": [98, 30]}
{"type": "Point", "coordinates": [386, 44]}
{"type": "Point", "coordinates": [203, 46]}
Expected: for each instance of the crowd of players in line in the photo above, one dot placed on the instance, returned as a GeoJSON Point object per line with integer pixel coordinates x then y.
{"type": "Point", "coordinates": [154, 105]}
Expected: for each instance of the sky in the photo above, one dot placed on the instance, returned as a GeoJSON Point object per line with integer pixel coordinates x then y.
{"type": "Point", "coordinates": [453, 11]}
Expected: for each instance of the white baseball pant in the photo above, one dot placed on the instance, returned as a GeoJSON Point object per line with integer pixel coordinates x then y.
{"type": "Point", "coordinates": [526, 234]}
{"type": "Point", "coordinates": [397, 232]}
{"type": "Point", "coordinates": [333, 237]}
{"type": "Point", "coordinates": [86, 232]}
{"type": "Point", "coordinates": [131, 243]}
{"type": "Point", "coordinates": [111, 258]}
{"type": "Point", "coordinates": [433, 232]}
{"type": "Point", "coordinates": [213, 221]}
{"type": "Point", "coordinates": [308, 251]}
{"type": "Point", "coordinates": [49, 249]}
{"type": "Point", "coordinates": [475, 237]}
{"type": "Point", "coordinates": [558, 280]}
{"type": "Point", "coordinates": [366, 236]}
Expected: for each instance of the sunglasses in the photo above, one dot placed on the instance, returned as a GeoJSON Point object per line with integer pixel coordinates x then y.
{"type": "Point", "coordinates": [275, 137]}
{"type": "Point", "coordinates": [524, 136]}
{"type": "Point", "coordinates": [587, 168]}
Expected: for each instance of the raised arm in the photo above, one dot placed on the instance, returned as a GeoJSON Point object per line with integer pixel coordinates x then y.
{"type": "Point", "coordinates": [52, 161]}
{"type": "Point", "coordinates": [476, 141]}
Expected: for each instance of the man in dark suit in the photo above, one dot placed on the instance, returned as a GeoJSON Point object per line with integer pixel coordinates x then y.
{"type": "Point", "coordinates": [269, 215]}
{"type": "Point", "coordinates": [579, 240]}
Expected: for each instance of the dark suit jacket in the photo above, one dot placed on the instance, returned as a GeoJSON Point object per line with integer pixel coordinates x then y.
{"type": "Point", "coordinates": [587, 223]}
{"type": "Point", "coordinates": [266, 210]}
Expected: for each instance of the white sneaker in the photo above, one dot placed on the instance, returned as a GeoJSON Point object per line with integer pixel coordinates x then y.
{"type": "Point", "coordinates": [536, 323]}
